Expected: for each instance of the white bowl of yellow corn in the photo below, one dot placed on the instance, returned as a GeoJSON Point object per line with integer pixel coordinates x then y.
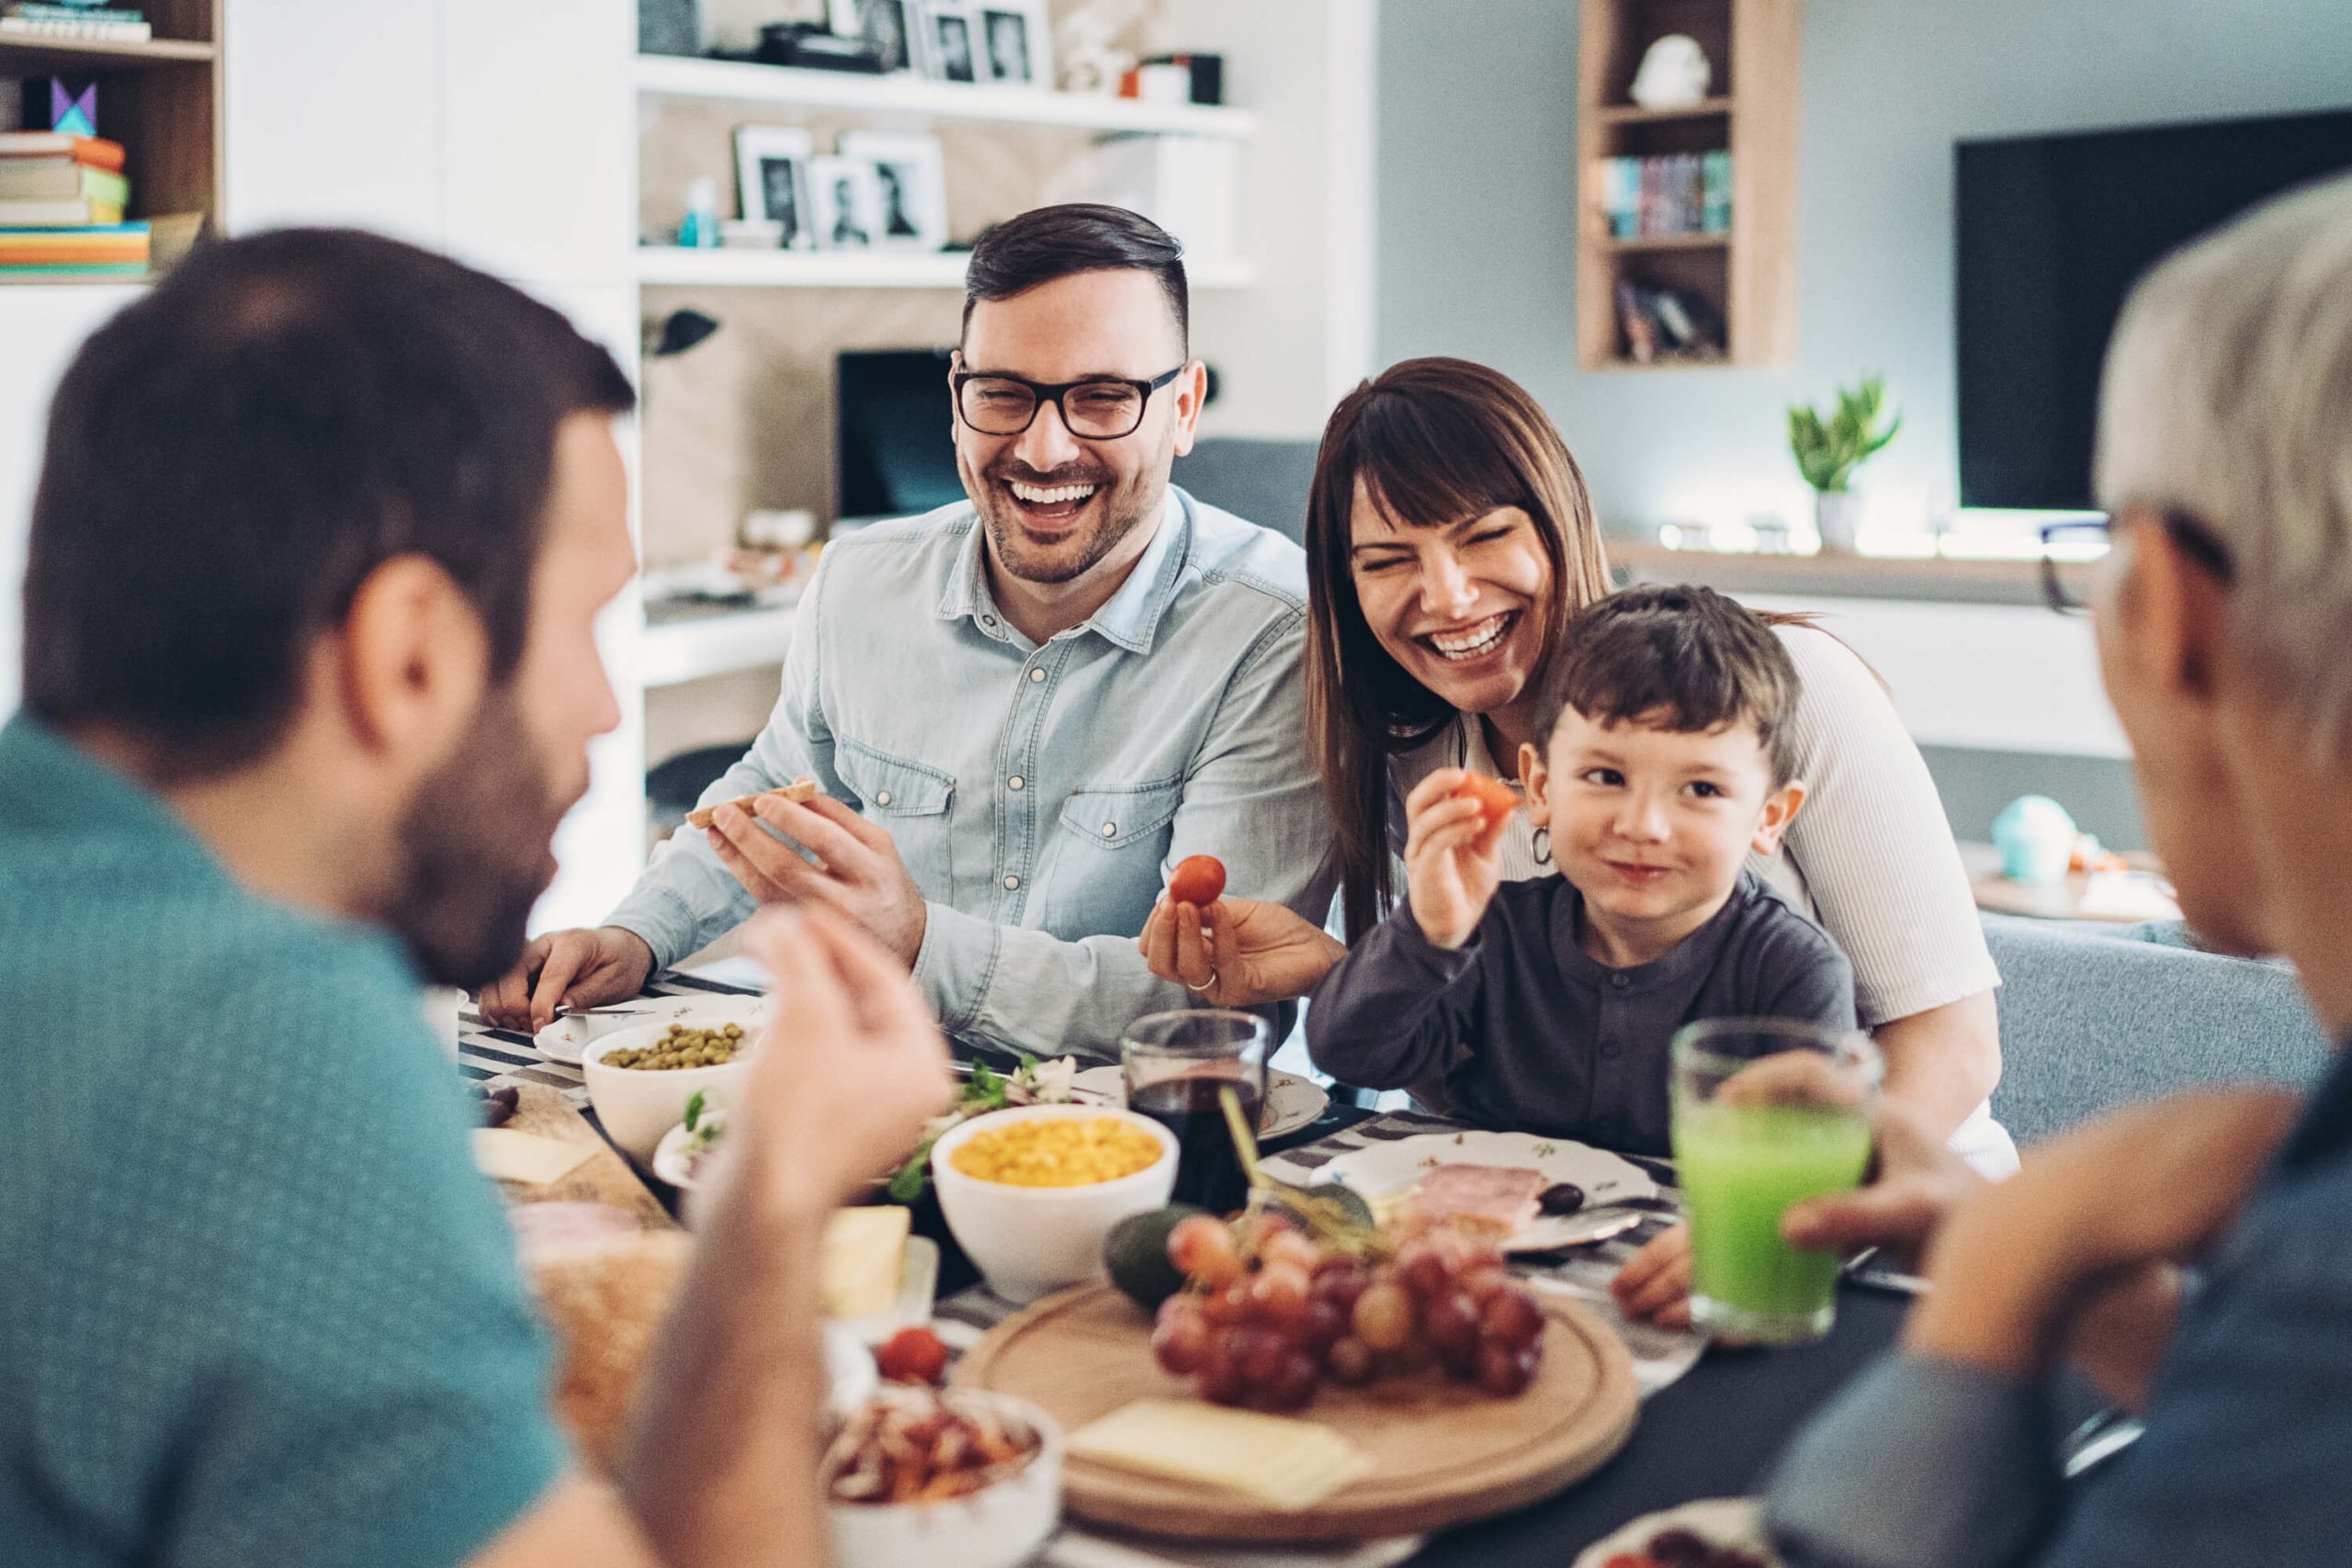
{"type": "Point", "coordinates": [1030, 1192]}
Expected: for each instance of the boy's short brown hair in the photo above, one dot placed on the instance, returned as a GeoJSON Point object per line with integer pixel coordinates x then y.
{"type": "Point", "coordinates": [1681, 658]}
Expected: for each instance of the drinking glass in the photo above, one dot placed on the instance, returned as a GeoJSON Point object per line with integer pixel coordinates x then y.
{"type": "Point", "coordinates": [1175, 1063]}
{"type": "Point", "coordinates": [1767, 1112]}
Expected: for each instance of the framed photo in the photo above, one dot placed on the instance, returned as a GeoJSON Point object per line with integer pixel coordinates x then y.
{"type": "Point", "coordinates": [910, 188]}
{"type": "Point", "coordinates": [772, 171]}
{"type": "Point", "coordinates": [949, 45]}
{"type": "Point", "coordinates": [887, 25]}
{"type": "Point", "coordinates": [844, 203]}
{"type": "Point", "coordinates": [1014, 40]}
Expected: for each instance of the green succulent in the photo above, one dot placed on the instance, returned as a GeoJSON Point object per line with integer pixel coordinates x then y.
{"type": "Point", "coordinates": [1827, 452]}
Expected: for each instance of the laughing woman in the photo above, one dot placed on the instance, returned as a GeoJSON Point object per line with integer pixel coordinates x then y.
{"type": "Point", "coordinates": [1449, 537]}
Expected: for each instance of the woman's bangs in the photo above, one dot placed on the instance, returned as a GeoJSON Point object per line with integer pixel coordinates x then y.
{"type": "Point", "coordinates": [1427, 466]}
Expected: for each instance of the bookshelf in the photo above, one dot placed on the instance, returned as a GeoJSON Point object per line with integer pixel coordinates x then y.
{"type": "Point", "coordinates": [1747, 275]}
{"type": "Point", "coordinates": [161, 99]}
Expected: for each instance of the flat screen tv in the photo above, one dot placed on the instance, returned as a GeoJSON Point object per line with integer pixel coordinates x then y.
{"type": "Point", "coordinates": [895, 447]}
{"type": "Point", "coordinates": [2052, 231]}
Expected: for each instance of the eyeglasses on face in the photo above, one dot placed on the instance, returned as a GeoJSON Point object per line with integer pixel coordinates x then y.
{"type": "Point", "coordinates": [1099, 408]}
{"type": "Point", "coordinates": [2064, 543]}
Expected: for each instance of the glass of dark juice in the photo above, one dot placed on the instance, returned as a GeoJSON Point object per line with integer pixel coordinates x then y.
{"type": "Point", "coordinates": [1175, 1065]}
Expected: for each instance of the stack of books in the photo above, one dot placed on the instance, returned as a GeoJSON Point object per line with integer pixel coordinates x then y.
{"type": "Point", "coordinates": [64, 20]}
{"type": "Point", "coordinates": [1680, 193]}
{"type": "Point", "coordinates": [61, 200]}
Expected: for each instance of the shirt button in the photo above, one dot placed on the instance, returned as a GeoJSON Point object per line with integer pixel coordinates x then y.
{"type": "Point", "coordinates": [1620, 981]}
{"type": "Point", "coordinates": [1011, 882]}
{"type": "Point", "coordinates": [1610, 1050]}
{"type": "Point", "coordinates": [883, 798]}
{"type": "Point", "coordinates": [1012, 782]}
{"type": "Point", "coordinates": [1037, 674]}
{"type": "Point", "coordinates": [1110, 830]}
{"type": "Point", "coordinates": [988, 620]}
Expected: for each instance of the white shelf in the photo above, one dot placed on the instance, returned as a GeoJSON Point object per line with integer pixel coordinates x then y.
{"type": "Point", "coordinates": [722, 269]}
{"type": "Point", "coordinates": [712, 644]}
{"type": "Point", "coordinates": [906, 94]}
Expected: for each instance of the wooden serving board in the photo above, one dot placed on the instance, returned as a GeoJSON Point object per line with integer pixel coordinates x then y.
{"type": "Point", "coordinates": [1444, 1452]}
{"type": "Point", "coordinates": [602, 1178]}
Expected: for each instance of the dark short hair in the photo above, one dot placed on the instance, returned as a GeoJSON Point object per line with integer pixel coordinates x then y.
{"type": "Point", "coordinates": [1047, 243]}
{"type": "Point", "coordinates": [1681, 658]}
{"type": "Point", "coordinates": [231, 457]}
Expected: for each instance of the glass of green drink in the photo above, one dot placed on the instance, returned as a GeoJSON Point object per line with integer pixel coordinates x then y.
{"type": "Point", "coordinates": [1767, 1112]}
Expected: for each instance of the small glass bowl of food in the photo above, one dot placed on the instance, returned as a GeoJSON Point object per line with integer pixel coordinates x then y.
{"type": "Point", "coordinates": [1031, 1193]}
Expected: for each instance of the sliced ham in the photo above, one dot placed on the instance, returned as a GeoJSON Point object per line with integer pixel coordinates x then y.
{"type": "Point", "coordinates": [1485, 1199]}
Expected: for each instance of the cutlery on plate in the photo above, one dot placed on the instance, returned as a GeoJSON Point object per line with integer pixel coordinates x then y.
{"type": "Point", "coordinates": [564, 1011]}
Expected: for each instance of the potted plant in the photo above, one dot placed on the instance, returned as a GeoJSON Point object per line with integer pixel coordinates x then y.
{"type": "Point", "coordinates": [1828, 451]}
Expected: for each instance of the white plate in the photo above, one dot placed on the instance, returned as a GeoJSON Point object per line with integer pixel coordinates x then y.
{"type": "Point", "coordinates": [1383, 1173]}
{"type": "Point", "coordinates": [1721, 1521]}
{"type": "Point", "coordinates": [1291, 1101]}
{"type": "Point", "coordinates": [562, 1040]}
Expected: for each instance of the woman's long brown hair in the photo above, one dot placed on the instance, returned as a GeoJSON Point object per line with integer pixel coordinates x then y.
{"type": "Point", "coordinates": [1433, 442]}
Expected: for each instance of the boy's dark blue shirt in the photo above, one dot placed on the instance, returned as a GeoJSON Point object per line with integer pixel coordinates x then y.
{"type": "Point", "coordinates": [1534, 1034]}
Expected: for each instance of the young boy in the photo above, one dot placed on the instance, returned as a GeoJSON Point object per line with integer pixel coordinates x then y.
{"type": "Point", "coordinates": [1661, 757]}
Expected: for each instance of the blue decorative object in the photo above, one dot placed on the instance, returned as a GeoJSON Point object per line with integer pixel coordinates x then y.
{"type": "Point", "coordinates": [2036, 837]}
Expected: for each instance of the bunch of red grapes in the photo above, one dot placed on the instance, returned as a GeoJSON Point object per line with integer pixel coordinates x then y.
{"type": "Point", "coordinates": [1271, 1314]}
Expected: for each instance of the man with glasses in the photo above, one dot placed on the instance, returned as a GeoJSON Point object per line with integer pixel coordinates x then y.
{"type": "Point", "coordinates": [1021, 708]}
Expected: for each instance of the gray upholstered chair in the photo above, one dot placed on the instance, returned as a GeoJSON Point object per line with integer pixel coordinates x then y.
{"type": "Point", "coordinates": [2092, 1016]}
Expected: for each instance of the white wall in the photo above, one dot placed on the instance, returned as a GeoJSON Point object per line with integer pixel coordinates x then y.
{"type": "Point", "coordinates": [1292, 344]}
{"type": "Point", "coordinates": [42, 327]}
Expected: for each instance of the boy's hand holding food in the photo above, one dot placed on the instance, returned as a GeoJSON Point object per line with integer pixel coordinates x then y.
{"type": "Point", "coordinates": [1454, 851]}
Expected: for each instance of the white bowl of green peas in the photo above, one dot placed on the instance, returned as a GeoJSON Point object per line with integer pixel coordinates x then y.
{"type": "Point", "coordinates": [640, 1079]}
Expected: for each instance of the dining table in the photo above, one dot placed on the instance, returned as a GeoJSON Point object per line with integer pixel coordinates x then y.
{"type": "Point", "coordinates": [1714, 1420]}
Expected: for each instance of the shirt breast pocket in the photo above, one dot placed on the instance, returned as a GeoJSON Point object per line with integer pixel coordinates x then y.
{"type": "Point", "coordinates": [913, 802]}
{"type": "Point", "coordinates": [1109, 843]}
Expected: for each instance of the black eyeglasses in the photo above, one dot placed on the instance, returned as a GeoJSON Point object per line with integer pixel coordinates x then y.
{"type": "Point", "coordinates": [2064, 543]}
{"type": "Point", "coordinates": [1099, 408]}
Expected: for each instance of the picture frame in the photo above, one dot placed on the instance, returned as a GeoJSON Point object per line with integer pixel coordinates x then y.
{"type": "Point", "coordinates": [890, 25]}
{"type": "Point", "coordinates": [911, 187]}
{"type": "Point", "coordinates": [845, 202]}
{"type": "Point", "coordinates": [772, 179]}
{"type": "Point", "coordinates": [1012, 43]}
{"type": "Point", "coordinates": [947, 47]}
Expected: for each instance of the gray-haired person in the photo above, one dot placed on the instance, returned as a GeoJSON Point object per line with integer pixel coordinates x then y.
{"type": "Point", "coordinates": [2222, 616]}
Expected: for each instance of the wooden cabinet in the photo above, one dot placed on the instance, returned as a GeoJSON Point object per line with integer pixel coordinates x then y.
{"type": "Point", "coordinates": [1745, 275]}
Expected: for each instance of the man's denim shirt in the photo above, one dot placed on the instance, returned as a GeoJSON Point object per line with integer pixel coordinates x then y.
{"type": "Point", "coordinates": [1038, 794]}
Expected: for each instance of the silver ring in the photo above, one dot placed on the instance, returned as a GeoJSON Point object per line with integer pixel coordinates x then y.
{"type": "Point", "coordinates": [1203, 990]}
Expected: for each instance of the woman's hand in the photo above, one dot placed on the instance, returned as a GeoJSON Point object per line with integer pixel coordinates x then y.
{"type": "Point", "coordinates": [1239, 952]}
{"type": "Point", "coordinates": [1453, 858]}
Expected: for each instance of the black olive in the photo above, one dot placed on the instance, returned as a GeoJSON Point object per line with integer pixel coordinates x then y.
{"type": "Point", "coordinates": [1563, 1199]}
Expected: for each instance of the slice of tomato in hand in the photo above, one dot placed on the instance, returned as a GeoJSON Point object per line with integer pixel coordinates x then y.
{"type": "Point", "coordinates": [1199, 880]}
{"type": "Point", "coordinates": [1497, 798]}
{"type": "Point", "coordinates": [912, 1355]}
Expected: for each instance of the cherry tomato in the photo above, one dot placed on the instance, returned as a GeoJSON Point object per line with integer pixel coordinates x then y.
{"type": "Point", "coordinates": [1199, 880]}
{"type": "Point", "coordinates": [912, 1355]}
{"type": "Point", "coordinates": [1497, 798]}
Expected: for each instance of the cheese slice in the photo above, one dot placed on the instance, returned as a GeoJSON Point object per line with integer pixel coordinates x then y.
{"type": "Point", "coordinates": [1284, 1463]}
{"type": "Point", "coordinates": [527, 1157]}
{"type": "Point", "coordinates": [865, 1251]}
